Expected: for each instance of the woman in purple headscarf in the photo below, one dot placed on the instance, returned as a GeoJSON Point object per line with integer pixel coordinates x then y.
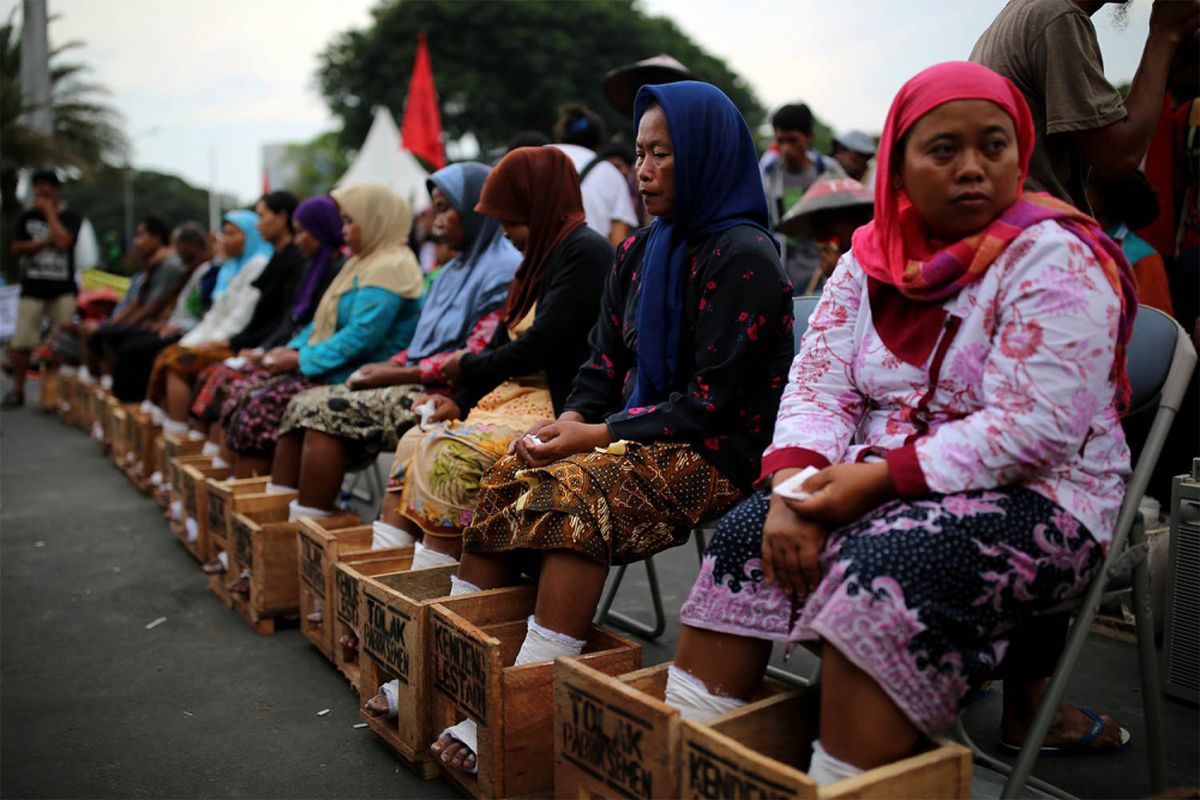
{"type": "Point", "coordinates": [318, 234]}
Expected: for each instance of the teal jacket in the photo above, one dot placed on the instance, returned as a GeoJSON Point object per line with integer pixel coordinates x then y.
{"type": "Point", "coordinates": [372, 324]}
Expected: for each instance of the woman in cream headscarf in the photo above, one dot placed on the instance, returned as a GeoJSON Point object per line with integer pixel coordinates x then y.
{"type": "Point", "coordinates": [369, 312]}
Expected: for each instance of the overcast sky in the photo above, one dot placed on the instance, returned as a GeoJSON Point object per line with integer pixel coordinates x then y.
{"type": "Point", "coordinates": [194, 77]}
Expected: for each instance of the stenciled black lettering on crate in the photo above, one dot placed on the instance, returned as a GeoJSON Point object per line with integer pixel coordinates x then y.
{"type": "Point", "coordinates": [243, 544]}
{"type": "Point", "coordinates": [712, 776]}
{"type": "Point", "coordinates": [605, 741]}
{"type": "Point", "coordinates": [216, 513]}
{"type": "Point", "coordinates": [310, 565]}
{"type": "Point", "coordinates": [384, 637]}
{"type": "Point", "coordinates": [346, 586]}
{"type": "Point", "coordinates": [460, 669]}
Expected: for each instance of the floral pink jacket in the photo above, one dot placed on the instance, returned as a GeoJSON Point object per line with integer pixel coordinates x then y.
{"type": "Point", "coordinates": [1015, 392]}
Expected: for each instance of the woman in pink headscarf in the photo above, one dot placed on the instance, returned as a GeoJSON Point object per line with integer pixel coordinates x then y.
{"type": "Point", "coordinates": [957, 396]}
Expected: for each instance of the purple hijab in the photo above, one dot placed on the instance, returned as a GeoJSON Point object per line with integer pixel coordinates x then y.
{"type": "Point", "coordinates": [320, 216]}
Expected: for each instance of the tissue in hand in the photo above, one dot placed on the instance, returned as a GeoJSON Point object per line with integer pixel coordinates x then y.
{"type": "Point", "coordinates": [791, 487]}
{"type": "Point", "coordinates": [426, 410]}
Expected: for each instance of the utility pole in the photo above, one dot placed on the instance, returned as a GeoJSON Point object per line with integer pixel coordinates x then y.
{"type": "Point", "coordinates": [35, 67]}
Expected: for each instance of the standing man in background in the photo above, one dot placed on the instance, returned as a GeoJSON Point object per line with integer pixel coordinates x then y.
{"type": "Point", "coordinates": [44, 241]}
{"type": "Point", "coordinates": [1048, 48]}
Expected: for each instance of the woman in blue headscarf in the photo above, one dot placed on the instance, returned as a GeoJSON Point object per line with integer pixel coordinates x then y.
{"type": "Point", "coordinates": [672, 410]}
{"type": "Point", "coordinates": [234, 301]}
{"type": "Point", "coordinates": [345, 427]}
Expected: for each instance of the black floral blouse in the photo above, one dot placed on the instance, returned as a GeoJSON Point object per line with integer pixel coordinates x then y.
{"type": "Point", "coordinates": [735, 352]}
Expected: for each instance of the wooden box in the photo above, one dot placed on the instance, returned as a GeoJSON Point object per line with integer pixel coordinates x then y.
{"type": "Point", "coordinates": [176, 445]}
{"type": "Point", "coordinates": [108, 413]}
{"type": "Point", "coordinates": [226, 499]}
{"type": "Point", "coordinates": [49, 388]}
{"type": "Point", "coordinates": [194, 494]}
{"type": "Point", "coordinates": [70, 389]}
{"type": "Point", "coordinates": [140, 459]}
{"type": "Point", "coordinates": [394, 613]}
{"type": "Point", "coordinates": [85, 412]}
{"type": "Point", "coordinates": [120, 435]}
{"type": "Point", "coordinates": [762, 750]}
{"type": "Point", "coordinates": [264, 543]}
{"type": "Point", "coordinates": [475, 642]}
{"type": "Point", "coordinates": [174, 477]}
{"type": "Point", "coordinates": [321, 542]}
{"type": "Point", "coordinates": [97, 399]}
{"type": "Point", "coordinates": [614, 735]}
{"type": "Point", "coordinates": [162, 468]}
{"type": "Point", "coordinates": [348, 575]}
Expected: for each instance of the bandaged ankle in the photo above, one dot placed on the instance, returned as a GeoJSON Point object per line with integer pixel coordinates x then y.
{"type": "Point", "coordinates": [192, 528]}
{"type": "Point", "coordinates": [176, 510]}
{"type": "Point", "coordinates": [224, 559]}
{"type": "Point", "coordinates": [825, 769]}
{"type": "Point", "coordinates": [106, 382]}
{"type": "Point", "coordinates": [220, 463]}
{"type": "Point", "coordinates": [543, 644]}
{"type": "Point", "coordinates": [196, 436]}
{"type": "Point", "coordinates": [459, 586]}
{"type": "Point", "coordinates": [384, 536]}
{"type": "Point", "coordinates": [466, 732]}
{"type": "Point", "coordinates": [210, 449]}
{"type": "Point", "coordinates": [171, 426]}
{"type": "Point", "coordinates": [275, 488]}
{"type": "Point", "coordinates": [296, 511]}
{"type": "Point", "coordinates": [691, 696]}
{"type": "Point", "coordinates": [391, 690]}
{"type": "Point", "coordinates": [424, 558]}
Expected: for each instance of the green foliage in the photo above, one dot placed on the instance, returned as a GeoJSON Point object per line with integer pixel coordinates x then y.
{"type": "Point", "coordinates": [98, 197]}
{"type": "Point", "coordinates": [318, 162]}
{"type": "Point", "coordinates": [87, 132]}
{"type": "Point", "coordinates": [504, 67]}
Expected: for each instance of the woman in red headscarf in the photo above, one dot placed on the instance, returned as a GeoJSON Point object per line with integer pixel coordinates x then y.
{"type": "Point", "coordinates": [956, 395]}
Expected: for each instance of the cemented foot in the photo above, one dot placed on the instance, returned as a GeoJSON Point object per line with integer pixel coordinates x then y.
{"type": "Point", "coordinates": [453, 753]}
{"type": "Point", "coordinates": [377, 705]}
{"type": "Point", "coordinates": [348, 641]}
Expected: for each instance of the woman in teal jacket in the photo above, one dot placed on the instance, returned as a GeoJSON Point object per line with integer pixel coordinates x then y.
{"type": "Point", "coordinates": [369, 312]}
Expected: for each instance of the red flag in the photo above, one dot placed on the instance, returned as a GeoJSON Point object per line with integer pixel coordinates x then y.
{"type": "Point", "coordinates": [422, 128]}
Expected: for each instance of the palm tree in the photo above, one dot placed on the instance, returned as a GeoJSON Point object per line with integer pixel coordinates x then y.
{"type": "Point", "coordinates": [87, 131]}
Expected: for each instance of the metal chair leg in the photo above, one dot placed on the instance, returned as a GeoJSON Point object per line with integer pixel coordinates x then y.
{"type": "Point", "coordinates": [1148, 666]}
{"type": "Point", "coordinates": [618, 620]}
{"type": "Point", "coordinates": [959, 734]}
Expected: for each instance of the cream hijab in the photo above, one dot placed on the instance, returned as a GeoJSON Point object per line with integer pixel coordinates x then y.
{"type": "Point", "coordinates": [385, 262]}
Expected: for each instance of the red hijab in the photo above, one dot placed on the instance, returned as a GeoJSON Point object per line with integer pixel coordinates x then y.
{"type": "Point", "coordinates": [909, 273]}
{"type": "Point", "coordinates": [538, 187]}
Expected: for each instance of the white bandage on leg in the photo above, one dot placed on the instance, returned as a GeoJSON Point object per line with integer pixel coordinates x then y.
{"type": "Point", "coordinates": [459, 586]}
{"type": "Point", "coordinates": [224, 559]}
{"type": "Point", "coordinates": [467, 733]}
{"type": "Point", "coordinates": [220, 463]}
{"type": "Point", "coordinates": [106, 382]}
{"type": "Point", "coordinates": [384, 536]}
{"type": "Point", "coordinates": [156, 479]}
{"type": "Point", "coordinates": [210, 449]}
{"type": "Point", "coordinates": [688, 693]}
{"type": "Point", "coordinates": [825, 769]}
{"type": "Point", "coordinates": [171, 426]}
{"type": "Point", "coordinates": [97, 431]}
{"type": "Point", "coordinates": [391, 690]}
{"type": "Point", "coordinates": [424, 558]}
{"type": "Point", "coordinates": [196, 436]}
{"type": "Point", "coordinates": [192, 528]}
{"type": "Point", "coordinates": [543, 644]}
{"type": "Point", "coordinates": [176, 510]}
{"type": "Point", "coordinates": [275, 488]}
{"type": "Point", "coordinates": [296, 511]}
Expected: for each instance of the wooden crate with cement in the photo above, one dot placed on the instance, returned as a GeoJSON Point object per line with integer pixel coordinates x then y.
{"type": "Point", "coordinates": [395, 612]}
{"type": "Point", "coordinates": [49, 388]}
{"type": "Point", "coordinates": [264, 543]}
{"type": "Point", "coordinates": [763, 750]}
{"type": "Point", "coordinates": [319, 543]}
{"type": "Point", "coordinates": [234, 496]}
{"type": "Point", "coordinates": [194, 493]}
{"type": "Point", "coordinates": [348, 575]}
{"type": "Point", "coordinates": [474, 645]}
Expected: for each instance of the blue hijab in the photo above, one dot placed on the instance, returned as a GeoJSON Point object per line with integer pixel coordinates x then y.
{"type": "Point", "coordinates": [247, 222]}
{"type": "Point", "coordinates": [717, 186]}
{"type": "Point", "coordinates": [473, 283]}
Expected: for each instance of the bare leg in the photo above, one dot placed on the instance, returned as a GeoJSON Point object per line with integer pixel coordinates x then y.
{"type": "Point", "coordinates": [729, 665]}
{"type": "Point", "coordinates": [569, 590]}
{"type": "Point", "coordinates": [216, 434]}
{"type": "Point", "coordinates": [285, 466]}
{"type": "Point", "coordinates": [449, 545]}
{"type": "Point", "coordinates": [250, 466]}
{"type": "Point", "coordinates": [179, 397]}
{"type": "Point", "coordinates": [488, 570]}
{"type": "Point", "coordinates": [19, 361]}
{"type": "Point", "coordinates": [322, 467]}
{"type": "Point", "coordinates": [1021, 702]}
{"type": "Point", "coordinates": [200, 426]}
{"type": "Point", "coordinates": [860, 724]}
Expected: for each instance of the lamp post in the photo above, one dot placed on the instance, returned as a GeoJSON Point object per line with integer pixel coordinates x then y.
{"type": "Point", "coordinates": [127, 189]}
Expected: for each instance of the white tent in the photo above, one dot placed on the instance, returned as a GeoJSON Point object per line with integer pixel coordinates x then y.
{"type": "Point", "coordinates": [382, 158]}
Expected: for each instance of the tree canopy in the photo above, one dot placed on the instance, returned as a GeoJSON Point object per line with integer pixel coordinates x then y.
{"type": "Point", "coordinates": [505, 67]}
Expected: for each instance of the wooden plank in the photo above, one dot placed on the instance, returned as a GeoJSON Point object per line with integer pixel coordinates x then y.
{"type": "Point", "coordinates": [318, 541]}
{"type": "Point", "coordinates": [264, 543]}
{"type": "Point", "coordinates": [348, 574]}
{"type": "Point", "coordinates": [763, 750]}
{"type": "Point", "coordinates": [50, 381]}
{"type": "Point", "coordinates": [473, 641]}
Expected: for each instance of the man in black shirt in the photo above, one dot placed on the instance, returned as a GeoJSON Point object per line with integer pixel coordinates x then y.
{"type": "Point", "coordinates": [45, 242]}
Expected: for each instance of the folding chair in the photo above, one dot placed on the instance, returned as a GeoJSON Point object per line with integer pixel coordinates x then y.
{"type": "Point", "coordinates": [802, 308]}
{"type": "Point", "coordinates": [1160, 359]}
